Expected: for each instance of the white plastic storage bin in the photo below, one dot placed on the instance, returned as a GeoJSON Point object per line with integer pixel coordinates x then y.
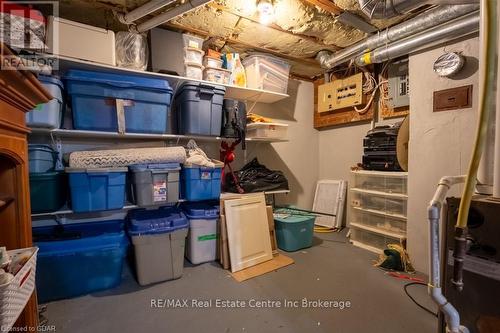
{"type": "Point", "coordinates": [82, 41]}
{"type": "Point", "coordinates": [14, 295]}
{"type": "Point", "coordinates": [217, 75]}
{"type": "Point", "coordinates": [193, 55]}
{"type": "Point", "coordinates": [267, 130]}
{"type": "Point", "coordinates": [381, 181]}
{"type": "Point", "coordinates": [48, 115]}
{"type": "Point", "coordinates": [372, 241]}
{"type": "Point", "coordinates": [193, 70]}
{"type": "Point", "coordinates": [212, 62]}
{"type": "Point", "coordinates": [384, 223]}
{"type": "Point", "coordinates": [267, 73]}
{"type": "Point", "coordinates": [388, 205]}
{"type": "Point", "coordinates": [201, 245]}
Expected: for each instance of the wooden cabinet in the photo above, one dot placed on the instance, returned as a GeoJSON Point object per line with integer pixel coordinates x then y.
{"type": "Point", "coordinates": [20, 92]}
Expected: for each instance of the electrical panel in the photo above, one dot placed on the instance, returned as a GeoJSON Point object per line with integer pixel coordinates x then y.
{"type": "Point", "coordinates": [398, 84]}
{"type": "Point", "coordinates": [340, 94]}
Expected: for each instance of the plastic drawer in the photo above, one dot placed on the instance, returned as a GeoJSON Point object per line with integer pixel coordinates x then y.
{"type": "Point", "coordinates": [377, 221]}
{"type": "Point", "coordinates": [371, 240]}
{"type": "Point", "coordinates": [390, 205]}
{"type": "Point", "coordinates": [380, 182]}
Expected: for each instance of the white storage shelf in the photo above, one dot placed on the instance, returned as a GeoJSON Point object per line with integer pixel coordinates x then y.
{"type": "Point", "coordinates": [378, 209]}
{"type": "Point", "coordinates": [234, 92]}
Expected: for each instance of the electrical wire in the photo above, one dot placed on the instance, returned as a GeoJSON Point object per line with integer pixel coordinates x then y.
{"type": "Point", "coordinates": [405, 287]}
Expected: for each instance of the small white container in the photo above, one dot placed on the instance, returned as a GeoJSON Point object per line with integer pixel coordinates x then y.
{"type": "Point", "coordinates": [193, 70]}
{"type": "Point", "coordinates": [217, 75]}
{"type": "Point", "coordinates": [193, 41]}
{"type": "Point", "coordinates": [212, 62]}
{"type": "Point", "coordinates": [267, 131]}
{"type": "Point", "coordinates": [193, 55]}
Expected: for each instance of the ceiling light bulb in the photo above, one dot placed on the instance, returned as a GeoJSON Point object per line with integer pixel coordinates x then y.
{"type": "Point", "coordinates": [249, 7]}
{"type": "Point", "coordinates": [266, 11]}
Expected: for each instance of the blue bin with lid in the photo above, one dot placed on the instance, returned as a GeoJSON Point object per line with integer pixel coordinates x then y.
{"type": "Point", "coordinates": [97, 189]}
{"type": "Point", "coordinates": [294, 229]}
{"type": "Point", "coordinates": [77, 259]}
{"type": "Point", "coordinates": [199, 183]}
{"type": "Point", "coordinates": [198, 108]}
{"type": "Point", "coordinates": [48, 115]}
{"type": "Point", "coordinates": [101, 101]}
{"type": "Point", "coordinates": [158, 237]}
{"type": "Point", "coordinates": [201, 245]}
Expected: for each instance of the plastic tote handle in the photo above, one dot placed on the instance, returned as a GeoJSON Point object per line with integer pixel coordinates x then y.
{"type": "Point", "coordinates": [206, 90]}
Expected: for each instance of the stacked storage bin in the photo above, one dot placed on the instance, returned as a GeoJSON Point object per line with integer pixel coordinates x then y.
{"type": "Point", "coordinates": [159, 239]}
{"type": "Point", "coordinates": [78, 259]}
{"type": "Point", "coordinates": [48, 115]}
{"type": "Point", "coordinates": [118, 103]}
{"type": "Point", "coordinates": [155, 184]}
{"type": "Point", "coordinates": [48, 187]}
{"type": "Point", "coordinates": [201, 245]}
{"type": "Point", "coordinates": [200, 182]}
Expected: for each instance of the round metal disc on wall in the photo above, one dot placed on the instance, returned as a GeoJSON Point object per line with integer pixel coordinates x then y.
{"type": "Point", "coordinates": [402, 143]}
{"type": "Point", "coordinates": [448, 64]}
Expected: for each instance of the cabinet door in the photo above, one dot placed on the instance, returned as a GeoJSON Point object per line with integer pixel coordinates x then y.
{"type": "Point", "coordinates": [248, 232]}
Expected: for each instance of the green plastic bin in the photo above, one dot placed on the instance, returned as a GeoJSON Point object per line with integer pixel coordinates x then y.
{"type": "Point", "coordinates": [48, 191]}
{"type": "Point", "coordinates": [294, 231]}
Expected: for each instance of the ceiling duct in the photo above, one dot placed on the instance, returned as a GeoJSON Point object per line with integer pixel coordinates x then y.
{"type": "Point", "coordinates": [410, 27]}
{"type": "Point", "coordinates": [385, 9]}
{"type": "Point", "coordinates": [457, 28]}
{"type": "Point", "coordinates": [146, 9]}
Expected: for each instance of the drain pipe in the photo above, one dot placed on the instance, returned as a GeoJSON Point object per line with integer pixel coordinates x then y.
{"type": "Point", "coordinates": [454, 29]}
{"type": "Point", "coordinates": [451, 314]}
{"type": "Point", "coordinates": [427, 20]}
{"type": "Point", "coordinates": [143, 10]}
{"type": "Point", "coordinates": [168, 15]}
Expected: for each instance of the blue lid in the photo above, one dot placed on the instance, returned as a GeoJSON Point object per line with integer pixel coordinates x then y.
{"type": "Point", "coordinates": [118, 80]}
{"type": "Point", "coordinates": [157, 166]}
{"type": "Point", "coordinates": [158, 221]}
{"type": "Point", "coordinates": [50, 79]}
{"type": "Point", "coordinates": [76, 237]}
{"type": "Point", "coordinates": [200, 210]}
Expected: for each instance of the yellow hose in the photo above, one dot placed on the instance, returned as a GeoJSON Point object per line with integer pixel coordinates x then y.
{"type": "Point", "coordinates": [323, 230]}
{"type": "Point", "coordinates": [487, 67]}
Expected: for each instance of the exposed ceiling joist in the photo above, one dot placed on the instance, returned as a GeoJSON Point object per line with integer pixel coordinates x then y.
{"type": "Point", "coordinates": [327, 5]}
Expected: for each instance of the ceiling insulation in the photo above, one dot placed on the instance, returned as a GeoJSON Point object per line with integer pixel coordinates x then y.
{"type": "Point", "coordinates": [299, 31]}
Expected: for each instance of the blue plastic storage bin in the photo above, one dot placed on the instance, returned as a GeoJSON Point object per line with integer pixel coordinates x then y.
{"type": "Point", "coordinates": [201, 183]}
{"type": "Point", "coordinates": [78, 259]}
{"type": "Point", "coordinates": [48, 115]}
{"type": "Point", "coordinates": [294, 230]}
{"type": "Point", "coordinates": [198, 108]}
{"type": "Point", "coordinates": [97, 189]}
{"type": "Point", "coordinates": [93, 101]}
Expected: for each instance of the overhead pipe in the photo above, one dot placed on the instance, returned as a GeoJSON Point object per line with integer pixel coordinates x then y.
{"type": "Point", "coordinates": [412, 26]}
{"type": "Point", "coordinates": [386, 9]}
{"type": "Point", "coordinates": [454, 29]}
{"type": "Point", "coordinates": [496, 161]}
{"type": "Point", "coordinates": [146, 9]}
{"type": "Point", "coordinates": [170, 14]}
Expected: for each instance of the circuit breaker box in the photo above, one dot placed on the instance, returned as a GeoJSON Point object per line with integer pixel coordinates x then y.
{"type": "Point", "coordinates": [340, 94]}
{"type": "Point", "coordinates": [398, 84]}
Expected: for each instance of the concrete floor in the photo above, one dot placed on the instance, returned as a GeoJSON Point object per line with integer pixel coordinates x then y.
{"type": "Point", "coordinates": [332, 269]}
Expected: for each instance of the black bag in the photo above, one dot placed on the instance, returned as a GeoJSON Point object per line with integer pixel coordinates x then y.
{"type": "Point", "coordinates": [255, 177]}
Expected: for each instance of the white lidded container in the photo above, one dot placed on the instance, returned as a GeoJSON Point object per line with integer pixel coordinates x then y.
{"type": "Point", "coordinates": [217, 75]}
{"type": "Point", "coordinates": [201, 243]}
{"type": "Point", "coordinates": [267, 73]}
{"type": "Point", "coordinates": [267, 130]}
{"type": "Point", "coordinates": [193, 70]}
{"type": "Point", "coordinates": [212, 62]}
{"type": "Point", "coordinates": [82, 41]}
{"type": "Point", "coordinates": [193, 55]}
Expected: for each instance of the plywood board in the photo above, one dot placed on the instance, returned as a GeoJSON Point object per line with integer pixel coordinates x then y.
{"type": "Point", "coordinates": [247, 232]}
{"type": "Point", "coordinates": [272, 265]}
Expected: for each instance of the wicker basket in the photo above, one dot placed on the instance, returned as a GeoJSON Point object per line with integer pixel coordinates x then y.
{"type": "Point", "coordinates": [15, 294]}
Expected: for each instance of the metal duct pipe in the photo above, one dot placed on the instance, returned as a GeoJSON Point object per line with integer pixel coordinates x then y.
{"type": "Point", "coordinates": [415, 25]}
{"type": "Point", "coordinates": [385, 9]}
{"type": "Point", "coordinates": [168, 15]}
{"type": "Point", "coordinates": [143, 10]}
{"type": "Point", "coordinates": [457, 28]}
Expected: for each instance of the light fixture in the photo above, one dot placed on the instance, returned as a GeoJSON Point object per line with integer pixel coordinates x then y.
{"type": "Point", "coordinates": [266, 11]}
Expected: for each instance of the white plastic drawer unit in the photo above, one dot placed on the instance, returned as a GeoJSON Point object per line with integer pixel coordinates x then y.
{"type": "Point", "coordinates": [80, 41]}
{"type": "Point", "coordinates": [379, 223]}
{"type": "Point", "coordinates": [372, 241]}
{"type": "Point", "coordinates": [380, 181]}
{"type": "Point", "coordinates": [371, 200]}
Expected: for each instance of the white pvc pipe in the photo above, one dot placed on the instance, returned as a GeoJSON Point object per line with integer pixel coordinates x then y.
{"type": "Point", "coordinates": [144, 10]}
{"type": "Point", "coordinates": [496, 162]}
{"type": "Point", "coordinates": [167, 16]}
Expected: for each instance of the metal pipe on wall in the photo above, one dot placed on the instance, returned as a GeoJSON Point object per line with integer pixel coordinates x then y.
{"type": "Point", "coordinates": [167, 16]}
{"type": "Point", "coordinates": [496, 161]}
{"type": "Point", "coordinates": [454, 29]}
{"type": "Point", "coordinates": [415, 25]}
{"type": "Point", "coordinates": [146, 9]}
{"type": "Point", "coordinates": [383, 9]}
